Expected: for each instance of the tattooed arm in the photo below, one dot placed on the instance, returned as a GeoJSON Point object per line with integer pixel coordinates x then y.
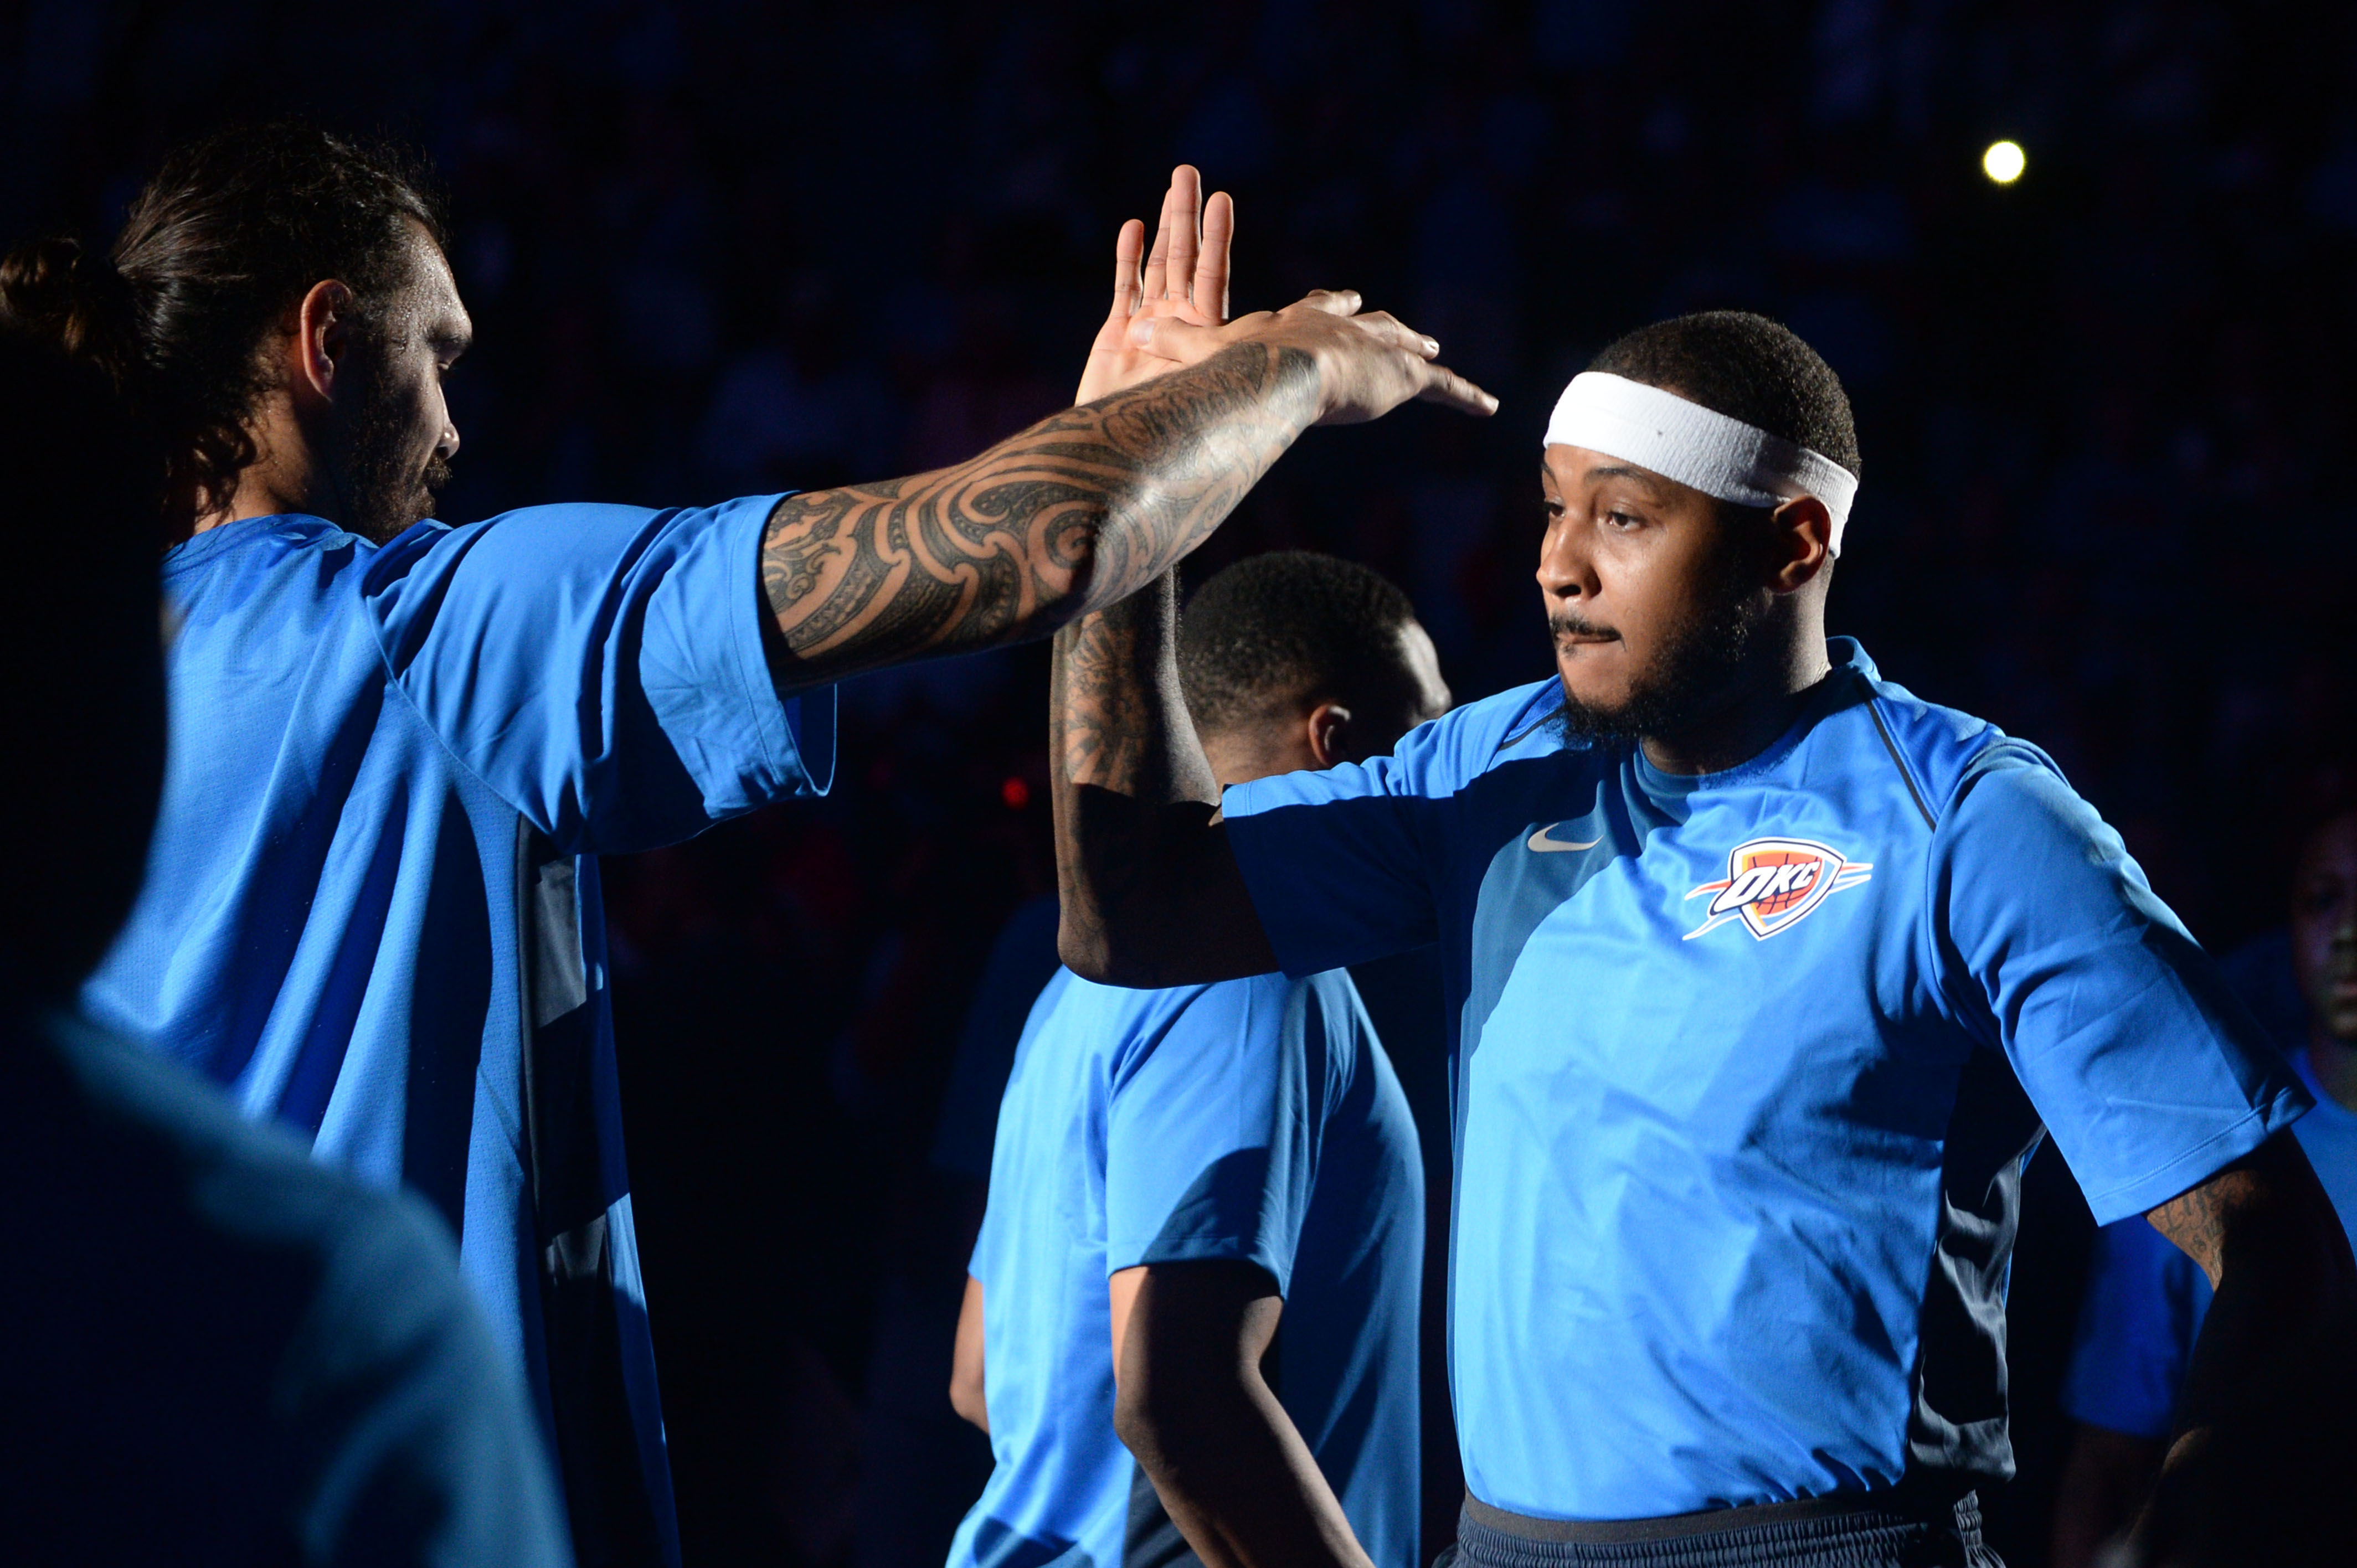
{"type": "Point", "coordinates": [1140, 851]}
{"type": "Point", "coordinates": [2276, 1362]}
{"type": "Point", "coordinates": [1084, 508]}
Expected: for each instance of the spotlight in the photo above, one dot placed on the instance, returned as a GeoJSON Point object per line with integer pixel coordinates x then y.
{"type": "Point", "coordinates": [2004, 162]}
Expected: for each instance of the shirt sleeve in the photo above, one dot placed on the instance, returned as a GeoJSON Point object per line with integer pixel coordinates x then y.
{"type": "Point", "coordinates": [1335, 861]}
{"type": "Point", "coordinates": [2144, 1306]}
{"type": "Point", "coordinates": [601, 667]}
{"type": "Point", "coordinates": [1212, 1139]}
{"type": "Point", "coordinates": [2148, 1071]}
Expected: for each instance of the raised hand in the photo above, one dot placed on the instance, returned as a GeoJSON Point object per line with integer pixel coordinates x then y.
{"type": "Point", "coordinates": [1183, 278]}
{"type": "Point", "coordinates": [1367, 364]}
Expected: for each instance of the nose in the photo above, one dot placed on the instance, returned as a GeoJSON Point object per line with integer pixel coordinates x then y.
{"type": "Point", "coordinates": [1567, 568]}
{"type": "Point", "coordinates": [447, 448]}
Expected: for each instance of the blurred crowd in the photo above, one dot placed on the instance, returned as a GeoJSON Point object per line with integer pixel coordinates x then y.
{"type": "Point", "coordinates": [717, 248]}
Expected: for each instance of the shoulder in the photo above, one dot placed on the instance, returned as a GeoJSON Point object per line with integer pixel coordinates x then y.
{"type": "Point", "coordinates": [250, 1182]}
{"type": "Point", "coordinates": [1474, 738]}
{"type": "Point", "coordinates": [1943, 752]}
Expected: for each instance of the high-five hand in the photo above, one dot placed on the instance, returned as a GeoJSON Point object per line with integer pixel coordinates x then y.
{"type": "Point", "coordinates": [1367, 364]}
{"type": "Point", "coordinates": [1184, 278]}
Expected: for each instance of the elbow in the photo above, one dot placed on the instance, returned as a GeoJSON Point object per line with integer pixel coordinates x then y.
{"type": "Point", "coordinates": [966, 1398]}
{"type": "Point", "coordinates": [1146, 1427]}
{"type": "Point", "coordinates": [1084, 950]}
{"type": "Point", "coordinates": [1092, 950]}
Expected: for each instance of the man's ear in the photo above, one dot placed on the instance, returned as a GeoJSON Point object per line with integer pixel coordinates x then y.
{"type": "Point", "coordinates": [323, 336]}
{"type": "Point", "coordinates": [1803, 530]}
{"type": "Point", "coordinates": [1330, 733]}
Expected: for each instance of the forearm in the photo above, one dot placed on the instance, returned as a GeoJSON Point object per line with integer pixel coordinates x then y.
{"type": "Point", "coordinates": [1150, 893]}
{"type": "Point", "coordinates": [1073, 514]}
{"type": "Point", "coordinates": [1237, 1479]}
{"type": "Point", "coordinates": [2283, 1321]}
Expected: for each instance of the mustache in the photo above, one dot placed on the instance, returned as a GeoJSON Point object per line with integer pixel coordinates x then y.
{"type": "Point", "coordinates": [1563, 623]}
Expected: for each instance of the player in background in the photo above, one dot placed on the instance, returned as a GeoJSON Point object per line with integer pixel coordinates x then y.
{"type": "Point", "coordinates": [2145, 1300]}
{"type": "Point", "coordinates": [1205, 1230]}
{"type": "Point", "coordinates": [399, 748]}
{"type": "Point", "coordinates": [1767, 975]}
{"type": "Point", "coordinates": [219, 1351]}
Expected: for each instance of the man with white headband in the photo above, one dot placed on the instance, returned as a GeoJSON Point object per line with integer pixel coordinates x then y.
{"type": "Point", "coordinates": [1766, 977]}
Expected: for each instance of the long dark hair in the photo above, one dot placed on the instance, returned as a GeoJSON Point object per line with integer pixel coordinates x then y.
{"type": "Point", "coordinates": [229, 235]}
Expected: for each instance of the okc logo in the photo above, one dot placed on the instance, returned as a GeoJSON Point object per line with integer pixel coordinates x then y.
{"type": "Point", "coordinates": [1773, 884]}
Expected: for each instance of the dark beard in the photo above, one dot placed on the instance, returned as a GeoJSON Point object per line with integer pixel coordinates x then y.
{"type": "Point", "coordinates": [378, 491]}
{"type": "Point", "coordinates": [1692, 667]}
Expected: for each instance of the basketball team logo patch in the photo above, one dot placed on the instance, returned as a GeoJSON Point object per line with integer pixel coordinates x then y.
{"type": "Point", "coordinates": [1772, 884]}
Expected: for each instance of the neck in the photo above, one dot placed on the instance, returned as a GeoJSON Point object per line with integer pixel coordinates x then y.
{"type": "Point", "coordinates": [1746, 716]}
{"type": "Point", "coordinates": [282, 478]}
{"type": "Point", "coordinates": [2333, 1060]}
{"type": "Point", "coordinates": [1239, 757]}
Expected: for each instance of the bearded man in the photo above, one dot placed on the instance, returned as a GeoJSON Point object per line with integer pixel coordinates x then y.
{"type": "Point", "coordinates": [1766, 977]}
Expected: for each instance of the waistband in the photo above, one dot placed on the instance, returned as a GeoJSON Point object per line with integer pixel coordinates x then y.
{"type": "Point", "coordinates": [1861, 1528]}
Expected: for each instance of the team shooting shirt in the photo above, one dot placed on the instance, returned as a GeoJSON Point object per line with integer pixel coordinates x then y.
{"type": "Point", "coordinates": [371, 907]}
{"type": "Point", "coordinates": [1744, 1069]}
{"type": "Point", "coordinates": [1254, 1121]}
{"type": "Point", "coordinates": [2146, 1300]}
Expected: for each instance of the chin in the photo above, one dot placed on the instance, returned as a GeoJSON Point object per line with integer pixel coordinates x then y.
{"type": "Point", "coordinates": [1584, 688]}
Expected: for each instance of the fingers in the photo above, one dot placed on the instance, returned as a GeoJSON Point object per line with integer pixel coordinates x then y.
{"type": "Point", "coordinates": [1128, 252]}
{"type": "Point", "coordinates": [1450, 390]}
{"type": "Point", "coordinates": [1212, 270]}
{"type": "Point", "coordinates": [1185, 216]}
{"type": "Point", "coordinates": [1387, 329]}
{"type": "Point", "coordinates": [1157, 261]}
{"type": "Point", "coordinates": [1333, 301]}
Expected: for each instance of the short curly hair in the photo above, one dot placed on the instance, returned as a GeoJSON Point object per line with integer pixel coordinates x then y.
{"type": "Point", "coordinates": [1748, 368]}
{"type": "Point", "coordinates": [1290, 624]}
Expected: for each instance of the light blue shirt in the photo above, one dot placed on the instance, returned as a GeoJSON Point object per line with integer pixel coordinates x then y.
{"type": "Point", "coordinates": [1746, 1065]}
{"type": "Point", "coordinates": [1255, 1120]}
{"type": "Point", "coordinates": [372, 908]}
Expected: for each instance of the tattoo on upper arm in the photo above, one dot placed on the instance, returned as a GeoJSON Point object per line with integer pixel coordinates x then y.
{"type": "Point", "coordinates": [1083, 508]}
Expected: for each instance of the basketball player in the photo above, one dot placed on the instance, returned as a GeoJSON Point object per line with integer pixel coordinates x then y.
{"type": "Point", "coordinates": [372, 905]}
{"type": "Point", "coordinates": [219, 1351]}
{"type": "Point", "coordinates": [1182, 1176]}
{"type": "Point", "coordinates": [1765, 973]}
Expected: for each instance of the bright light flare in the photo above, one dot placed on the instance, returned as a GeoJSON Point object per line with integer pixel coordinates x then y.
{"type": "Point", "coordinates": [2004, 162]}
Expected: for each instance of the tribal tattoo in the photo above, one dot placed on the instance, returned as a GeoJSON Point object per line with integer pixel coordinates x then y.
{"type": "Point", "coordinates": [1139, 850]}
{"type": "Point", "coordinates": [1077, 512]}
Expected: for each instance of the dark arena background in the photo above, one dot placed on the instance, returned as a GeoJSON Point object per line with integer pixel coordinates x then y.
{"type": "Point", "coordinates": [720, 248]}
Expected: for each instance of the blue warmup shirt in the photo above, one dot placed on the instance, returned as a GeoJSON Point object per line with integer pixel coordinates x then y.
{"type": "Point", "coordinates": [1746, 1065]}
{"type": "Point", "coordinates": [2146, 1300]}
{"type": "Point", "coordinates": [1255, 1120]}
{"type": "Point", "coordinates": [372, 905]}
{"type": "Point", "coordinates": [222, 1353]}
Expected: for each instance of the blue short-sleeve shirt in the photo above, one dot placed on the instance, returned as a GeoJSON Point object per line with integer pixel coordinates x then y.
{"type": "Point", "coordinates": [1255, 1120]}
{"type": "Point", "coordinates": [1746, 1065]}
{"type": "Point", "coordinates": [372, 905]}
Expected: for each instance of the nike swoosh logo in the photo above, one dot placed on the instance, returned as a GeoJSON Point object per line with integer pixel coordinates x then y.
{"type": "Point", "coordinates": [1541, 843]}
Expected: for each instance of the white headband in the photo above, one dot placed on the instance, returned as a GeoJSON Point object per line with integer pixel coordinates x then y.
{"type": "Point", "coordinates": [1720, 456]}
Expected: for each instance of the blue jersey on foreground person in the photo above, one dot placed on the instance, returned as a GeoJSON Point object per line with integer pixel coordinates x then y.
{"type": "Point", "coordinates": [1254, 1119]}
{"type": "Point", "coordinates": [372, 905]}
{"type": "Point", "coordinates": [2146, 1300]}
{"type": "Point", "coordinates": [1746, 1064]}
{"type": "Point", "coordinates": [228, 1354]}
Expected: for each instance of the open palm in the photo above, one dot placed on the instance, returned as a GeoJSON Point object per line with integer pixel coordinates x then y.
{"type": "Point", "coordinates": [1184, 276]}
